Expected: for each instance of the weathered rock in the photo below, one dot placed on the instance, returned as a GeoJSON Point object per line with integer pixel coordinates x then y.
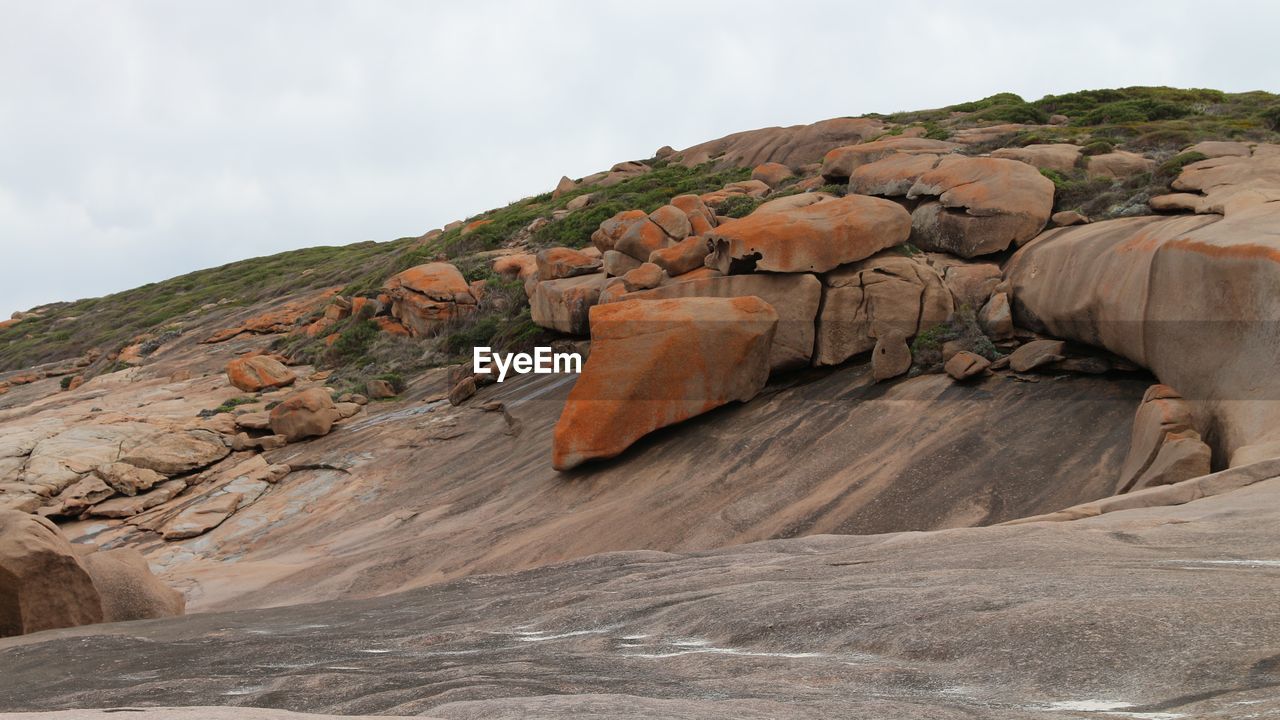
{"type": "Point", "coordinates": [1175, 202]}
{"type": "Point", "coordinates": [839, 164]}
{"type": "Point", "coordinates": [616, 264]}
{"type": "Point", "coordinates": [1220, 148]}
{"type": "Point", "coordinates": [964, 365]}
{"type": "Point", "coordinates": [427, 297]}
{"type": "Point", "coordinates": [788, 203]}
{"type": "Point", "coordinates": [891, 357]}
{"type": "Point", "coordinates": [562, 262]}
{"type": "Point", "coordinates": [127, 479]}
{"type": "Point", "coordinates": [971, 284]}
{"type": "Point", "coordinates": [563, 304]}
{"type": "Point", "coordinates": [771, 173]}
{"type": "Point", "coordinates": [607, 235]}
{"type": "Point", "coordinates": [640, 239]}
{"type": "Point", "coordinates": [174, 453]}
{"type": "Point", "coordinates": [123, 507]}
{"type": "Point", "coordinates": [347, 409]}
{"type": "Point", "coordinates": [644, 277]}
{"type": "Point", "coordinates": [379, 389]}
{"type": "Point", "coordinates": [260, 372]}
{"type": "Point", "coordinates": [656, 363]}
{"type": "Point", "coordinates": [473, 226]}
{"type": "Point", "coordinates": [1061, 157]}
{"type": "Point", "coordinates": [792, 146]}
{"type": "Point", "coordinates": [254, 421]}
{"type": "Point", "coordinates": [686, 255]}
{"type": "Point", "coordinates": [1069, 217]}
{"type": "Point", "coordinates": [815, 238]}
{"type": "Point", "coordinates": [795, 298]}
{"type": "Point", "coordinates": [521, 266]}
{"type": "Point", "coordinates": [750, 188]}
{"type": "Point", "coordinates": [90, 490]}
{"type": "Point", "coordinates": [1165, 447]}
{"type": "Point", "coordinates": [984, 205]}
{"type": "Point", "coordinates": [1119, 164]}
{"type": "Point", "coordinates": [304, 414]}
{"type": "Point", "coordinates": [886, 294]}
{"type": "Point", "coordinates": [566, 185]}
{"type": "Point", "coordinates": [205, 515]}
{"type": "Point", "coordinates": [277, 320]}
{"type": "Point", "coordinates": [893, 175]}
{"type": "Point", "coordinates": [996, 318]}
{"type": "Point", "coordinates": [462, 391]}
{"type": "Point", "coordinates": [701, 218]}
{"type": "Point", "coordinates": [42, 583]}
{"type": "Point", "coordinates": [673, 221]}
{"type": "Point", "coordinates": [128, 589]}
{"type": "Point", "coordinates": [1036, 354]}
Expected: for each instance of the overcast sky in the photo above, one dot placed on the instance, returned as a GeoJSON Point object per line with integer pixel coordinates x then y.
{"type": "Point", "coordinates": [142, 140]}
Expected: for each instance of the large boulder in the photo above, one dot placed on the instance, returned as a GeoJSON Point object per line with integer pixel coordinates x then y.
{"type": "Point", "coordinates": [889, 293]}
{"type": "Point", "coordinates": [839, 163]}
{"type": "Point", "coordinates": [174, 452]}
{"type": "Point", "coordinates": [42, 583]}
{"type": "Point", "coordinates": [1165, 447]}
{"type": "Point", "coordinates": [606, 237]}
{"type": "Point", "coordinates": [640, 239]}
{"type": "Point", "coordinates": [815, 238]}
{"type": "Point", "coordinates": [1192, 298]}
{"type": "Point", "coordinates": [982, 206]}
{"type": "Point", "coordinates": [427, 297]}
{"type": "Point", "coordinates": [562, 262]}
{"type": "Point", "coordinates": [792, 146]}
{"type": "Point", "coordinates": [686, 255]}
{"type": "Point", "coordinates": [257, 373]}
{"type": "Point", "coordinates": [1061, 157]}
{"type": "Point", "coordinates": [1119, 165]}
{"type": "Point", "coordinates": [563, 305]}
{"type": "Point", "coordinates": [304, 414]}
{"type": "Point", "coordinates": [795, 298]}
{"type": "Point", "coordinates": [655, 363]}
{"type": "Point", "coordinates": [771, 173]}
{"type": "Point", "coordinates": [127, 588]}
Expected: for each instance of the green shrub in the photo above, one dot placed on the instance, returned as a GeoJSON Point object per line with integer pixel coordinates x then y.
{"type": "Point", "coordinates": [65, 382]}
{"type": "Point", "coordinates": [737, 206]}
{"type": "Point", "coordinates": [1097, 147]}
{"type": "Point", "coordinates": [1270, 117]}
{"type": "Point", "coordinates": [1170, 168]}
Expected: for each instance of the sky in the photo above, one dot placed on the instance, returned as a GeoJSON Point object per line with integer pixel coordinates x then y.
{"type": "Point", "coordinates": [142, 140]}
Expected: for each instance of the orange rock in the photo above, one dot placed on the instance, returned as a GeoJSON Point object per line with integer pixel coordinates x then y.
{"type": "Point", "coordinates": [771, 173]}
{"type": "Point", "coordinates": [657, 363]}
{"type": "Point", "coordinates": [279, 320]}
{"type": "Point", "coordinates": [673, 222]}
{"type": "Point", "coordinates": [816, 238]}
{"type": "Point", "coordinates": [562, 262]}
{"type": "Point", "coordinates": [1004, 202]}
{"type": "Point", "coordinates": [686, 255]}
{"type": "Point", "coordinates": [329, 340]}
{"type": "Point", "coordinates": [701, 219]}
{"type": "Point", "coordinates": [522, 266]}
{"type": "Point", "coordinates": [363, 307]}
{"type": "Point", "coordinates": [606, 236]}
{"type": "Point", "coordinates": [840, 163]}
{"type": "Point", "coordinates": [641, 238]}
{"type": "Point", "coordinates": [564, 305]}
{"type": "Point", "coordinates": [427, 297]}
{"type": "Point", "coordinates": [5, 324]}
{"type": "Point", "coordinates": [304, 414]}
{"type": "Point", "coordinates": [260, 372]}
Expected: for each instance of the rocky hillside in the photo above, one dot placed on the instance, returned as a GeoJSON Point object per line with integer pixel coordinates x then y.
{"type": "Point", "coordinates": [1040, 333]}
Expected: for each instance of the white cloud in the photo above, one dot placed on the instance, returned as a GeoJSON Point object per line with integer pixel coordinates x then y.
{"type": "Point", "coordinates": [140, 140]}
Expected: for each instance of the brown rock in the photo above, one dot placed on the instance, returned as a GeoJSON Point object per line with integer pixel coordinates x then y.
{"type": "Point", "coordinates": [1119, 164]}
{"type": "Point", "coordinates": [90, 490]}
{"type": "Point", "coordinates": [701, 218]}
{"type": "Point", "coordinates": [616, 264]}
{"type": "Point", "coordinates": [462, 391]}
{"type": "Point", "coordinates": [787, 203]}
{"type": "Point", "coordinates": [304, 414]}
{"type": "Point", "coordinates": [123, 507]}
{"type": "Point", "coordinates": [673, 222]}
{"type": "Point", "coordinates": [883, 295]}
{"type": "Point", "coordinates": [565, 185]}
{"type": "Point", "coordinates": [1036, 354]}
{"type": "Point", "coordinates": [1061, 157]}
{"type": "Point", "coordinates": [1068, 217]}
{"type": "Point", "coordinates": [42, 583]}
{"type": "Point", "coordinates": [563, 304]}
{"type": "Point", "coordinates": [815, 238]}
{"type": "Point", "coordinates": [1165, 447]}
{"type": "Point", "coordinates": [891, 357]}
{"type": "Point", "coordinates": [971, 284]}
{"type": "Point", "coordinates": [996, 319]}
{"type": "Point", "coordinates": [792, 146]}
{"type": "Point", "coordinates": [795, 298]}
{"type": "Point", "coordinates": [391, 326]}
{"type": "Point", "coordinates": [562, 262]}
{"type": "Point", "coordinates": [174, 453]}
{"type": "Point", "coordinates": [254, 421]}
{"type": "Point", "coordinates": [686, 255]}
{"type": "Point", "coordinates": [257, 373]}
{"type": "Point", "coordinates": [656, 363]}
{"type": "Point", "coordinates": [1176, 202]}
{"type": "Point", "coordinates": [607, 235]}
{"type": "Point", "coordinates": [772, 174]}
{"type": "Point", "coordinates": [379, 389]}
{"type": "Point", "coordinates": [893, 175]}
{"type": "Point", "coordinates": [964, 365]}
{"type": "Point", "coordinates": [520, 266]}
{"type": "Point", "coordinates": [983, 205]}
{"type": "Point", "coordinates": [427, 297]}
{"type": "Point", "coordinates": [128, 589]}
{"type": "Point", "coordinates": [640, 239]}
{"type": "Point", "coordinates": [203, 516]}
{"type": "Point", "coordinates": [839, 164]}
{"type": "Point", "coordinates": [647, 275]}
{"type": "Point", "coordinates": [127, 479]}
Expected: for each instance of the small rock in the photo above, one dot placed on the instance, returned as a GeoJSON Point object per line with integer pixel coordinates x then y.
{"type": "Point", "coordinates": [463, 390]}
{"type": "Point", "coordinates": [1035, 354]}
{"type": "Point", "coordinates": [964, 365]}
{"type": "Point", "coordinates": [891, 356]}
{"type": "Point", "coordinates": [379, 389]}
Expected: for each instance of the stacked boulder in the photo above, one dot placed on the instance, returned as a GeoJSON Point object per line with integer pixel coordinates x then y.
{"type": "Point", "coordinates": [428, 297]}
